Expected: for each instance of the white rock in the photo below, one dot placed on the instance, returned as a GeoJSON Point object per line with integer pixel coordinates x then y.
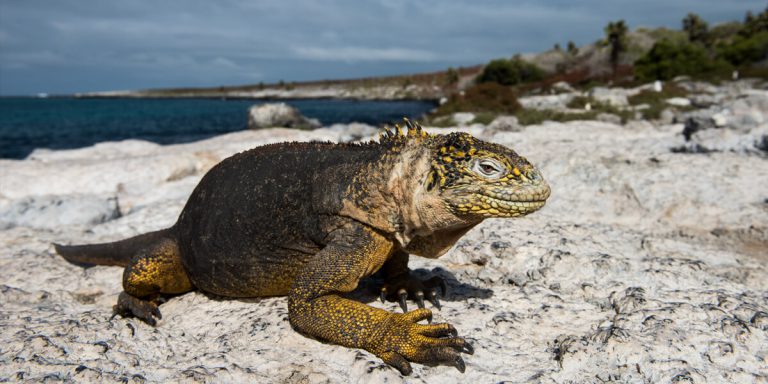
{"type": "Point", "coordinates": [354, 131]}
{"type": "Point", "coordinates": [505, 123]}
{"type": "Point", "coordinates": [616, 97]}
{"type": "Point", "coordinates": [679, 101]}
{"type": "Point", "coordinates": [608, 118]}
{"type": "Point", "coordinates": [667, 116]}
{"type": "Point", "coordinates": [719, 119]}
{"type": "Point", "coordinates": [278, 115]}
{"type": "Point", "coordinates": [51, 212]}
{"type": "Point", "coordinates": [562, 86]}
{"type": "Point", "coordinates": [726, 140]}
{"type": "Point", "coordinates": [556, 102]}
{"type": "Point", "coordinates": [463, 118]}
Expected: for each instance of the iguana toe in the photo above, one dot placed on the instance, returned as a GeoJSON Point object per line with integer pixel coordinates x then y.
{"type": "Point", "coordinates": [144, 310]}
{"type": "Point", "coordinates": [405, 341]}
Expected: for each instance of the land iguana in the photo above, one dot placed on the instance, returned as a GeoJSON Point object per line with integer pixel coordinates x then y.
{"type": "Point", "coordinates": [309, 220]}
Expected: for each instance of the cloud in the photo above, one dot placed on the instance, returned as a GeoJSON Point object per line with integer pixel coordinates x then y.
{"type": "Point", "coordinates": [78, 45]}
{"type": "Point", "coordinates": [363, 54]}
{"type": "Point", "coordinates": [224, 63]}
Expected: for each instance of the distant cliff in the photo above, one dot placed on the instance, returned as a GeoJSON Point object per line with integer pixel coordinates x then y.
{"type": "Point", "coordinates": [423, 86]}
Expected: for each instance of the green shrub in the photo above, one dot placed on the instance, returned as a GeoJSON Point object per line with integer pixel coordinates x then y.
{"type": "Point", "coordinates": [657, 101]}
{"type": "Point", "coordinates": [666, 60]}
{"type": "Point", "coordinates": [484, 118]}
{"type": "Point", "coordinates": [580, 102]}
{"type": "Point", "coordinates": [669, 90]}
{"type": "Point", "coordinates": [510, 72]}
{"type": "Point", "coordinates": [725, 31]}
{"type": "Point", "coordinates": [485, 97]}
{"type": "Point", "coordinates": [661, 33]}
{"type": "Point", "coordinates": [745, 50]}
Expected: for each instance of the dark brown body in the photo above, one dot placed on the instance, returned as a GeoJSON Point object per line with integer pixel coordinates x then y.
{"type": "Point", "coordinates": [250, 226]}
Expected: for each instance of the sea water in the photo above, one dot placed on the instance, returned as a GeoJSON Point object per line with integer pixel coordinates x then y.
{"type": "Point", "coordinates": [57, 123]}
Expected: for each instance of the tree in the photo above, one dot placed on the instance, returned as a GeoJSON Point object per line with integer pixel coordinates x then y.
{"type": "Point", "coordinates": [510, 72]}
{"type": "Point", "coordinates": [557, 47]}
{"type": "Point", "coordinates": [616, 38]}
{"type": "Point", "coordinates": [573, 50]}
{"type": "Point", "coordinates": [451, 76]}
{"type": "Point", "coordinates": [696, 28]}
{"type": "Point", "coordinates": [755, 24]}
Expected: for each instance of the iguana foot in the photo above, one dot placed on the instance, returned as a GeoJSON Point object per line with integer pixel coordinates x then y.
{"type": "Point", "coordinates": [403, 340]}
{"type": "Point", "coordinates": [144, 310]}
{"type": "Point", "coordinates": [407, 286]}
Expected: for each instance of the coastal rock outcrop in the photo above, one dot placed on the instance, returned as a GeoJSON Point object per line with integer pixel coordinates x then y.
{"type": "Point", "coordinates": [271, 115]}
{"type": "Point", "coordinates": [646, 265]}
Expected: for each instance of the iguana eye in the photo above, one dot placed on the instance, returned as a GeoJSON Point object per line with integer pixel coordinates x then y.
{"type": "Point", "coordinates": [488, 168]}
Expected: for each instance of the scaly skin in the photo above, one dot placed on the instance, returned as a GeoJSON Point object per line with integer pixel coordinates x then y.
{"type": "Point", "coordinates": [309, 220]}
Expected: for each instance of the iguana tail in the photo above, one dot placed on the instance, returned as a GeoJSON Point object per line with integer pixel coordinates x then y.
{"type": "Point", "coordinates": [117, 253]}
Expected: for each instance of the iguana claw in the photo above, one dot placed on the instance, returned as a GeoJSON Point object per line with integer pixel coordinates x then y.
{"type": "Point", "coordinates": [403, 296]}
{"type": "Point", "coordinates": [403, 288]}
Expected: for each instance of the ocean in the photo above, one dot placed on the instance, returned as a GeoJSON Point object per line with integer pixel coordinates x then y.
{"type": "Point", "coordinates": [58, 123]}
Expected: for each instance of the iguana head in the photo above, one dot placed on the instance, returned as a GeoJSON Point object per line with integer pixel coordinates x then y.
{"type": "Point", "coordinates": [478, 179]}
{"type": "Point", "coordinates": [468, 178]}
{"type": "Point", "coordinates": [440, 186]}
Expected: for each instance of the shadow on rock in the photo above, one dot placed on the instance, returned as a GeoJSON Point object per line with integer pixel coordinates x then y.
{"type": "Point", "coordinates": [368, 290]}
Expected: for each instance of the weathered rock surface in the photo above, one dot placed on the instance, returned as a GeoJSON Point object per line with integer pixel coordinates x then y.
{"type": "Point", "coordinates": [504, 123]}
{"type": "Point", "coordinates": [272, 115]}
{"type": "Point", "coordinates": [556, 102]}
{"type": "Point", "coordinates": [645, 266]}
{"type": "Point", "coordinates": [737, 124]}
{"type": "Point", "coordinates": [463, 118]}
{"type": "Point", "coordinates": [51, 212]}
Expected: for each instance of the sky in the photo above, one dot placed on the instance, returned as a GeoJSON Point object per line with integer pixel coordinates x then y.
{"type": "Point", "coordinates": [68, 46]}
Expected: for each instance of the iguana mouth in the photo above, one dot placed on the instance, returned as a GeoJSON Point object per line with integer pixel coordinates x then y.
{"type": "Point", "coordinates": [530, 194]}
{"type": "Point", "coordinates": [514, 206]}
{"type": "Point", "coordinates": [518, 202]}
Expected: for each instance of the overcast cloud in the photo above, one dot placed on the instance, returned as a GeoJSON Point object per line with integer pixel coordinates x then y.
{"type": "Point", "coordinates": [67, 46]}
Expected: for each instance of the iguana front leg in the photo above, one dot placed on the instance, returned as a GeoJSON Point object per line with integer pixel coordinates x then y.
{"type": "Point", "coordinates": [400, 285]}
{"type": "Point", "coordinates": [316, 308]}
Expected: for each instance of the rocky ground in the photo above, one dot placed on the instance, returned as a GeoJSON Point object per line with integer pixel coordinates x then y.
{"type": "Point", "coordinates": [649, 264]}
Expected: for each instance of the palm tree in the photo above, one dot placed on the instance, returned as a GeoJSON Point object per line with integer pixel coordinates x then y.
{"type": "Point", "coordinates": [696, 28]}
{"type": "Point", "coordinates": [616, 37]}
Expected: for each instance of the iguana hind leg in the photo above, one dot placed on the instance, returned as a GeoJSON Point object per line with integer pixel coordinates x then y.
{"type": "Point", "coordinates": [153, 272]}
